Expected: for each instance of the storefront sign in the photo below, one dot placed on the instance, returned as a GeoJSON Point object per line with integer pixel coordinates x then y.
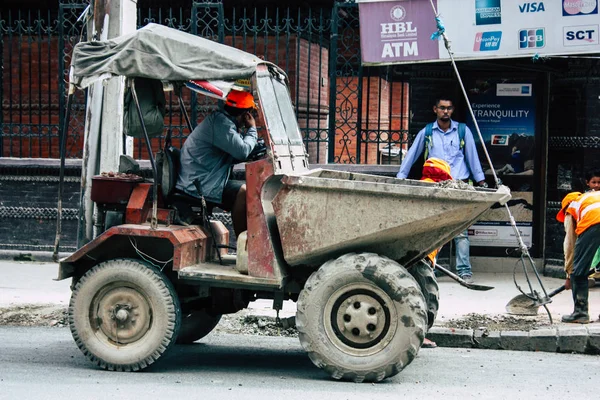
{"type": "Point", "coordinates": [498, 234]}
{"type": "Point", "coordinates": [399, 31]}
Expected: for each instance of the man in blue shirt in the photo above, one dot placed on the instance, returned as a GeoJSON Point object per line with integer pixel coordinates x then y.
{"type": "Point", "coordinates": [464, 165]}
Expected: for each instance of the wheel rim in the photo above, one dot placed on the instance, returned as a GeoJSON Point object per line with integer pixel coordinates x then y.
{"type": "Point", "coordinates": [358, 319]}
{"type": "Point", "coordinates": [120, 314]}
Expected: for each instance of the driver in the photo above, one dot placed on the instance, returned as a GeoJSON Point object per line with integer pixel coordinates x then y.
{"type": "Point", "coordinates": [212, 148]}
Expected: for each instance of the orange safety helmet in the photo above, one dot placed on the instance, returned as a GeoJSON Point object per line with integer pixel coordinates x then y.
{"type": "Point", "coordinates": [240, 99]}
{"type": "Point", "coordinates": [565, 203]}
{"type": "Point", "coordinates": [436, 170]}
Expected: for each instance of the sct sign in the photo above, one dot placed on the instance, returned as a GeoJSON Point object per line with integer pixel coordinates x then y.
{"type": "Point", "coordinates": [400, 31]}
{"type": "Point", "coordinates": [583, 35]}
{"type": "Point", "coordinates": [397, 31]}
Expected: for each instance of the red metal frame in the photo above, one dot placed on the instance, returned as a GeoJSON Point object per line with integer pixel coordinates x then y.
{"type": "Point", "coordinates": [261, 254]}
{"type": "Point", "coordinates": [189, 242]}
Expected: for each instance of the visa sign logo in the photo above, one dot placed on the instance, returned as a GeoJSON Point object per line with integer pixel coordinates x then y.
{"type": "Point", "coordinates": [532, 7]}
{"type": "Point", "coordinates": [487, 41]}
{"type": "Point", "coordinates": [582, 35]}
{"type": "Point", "coordinates": [533, 38]}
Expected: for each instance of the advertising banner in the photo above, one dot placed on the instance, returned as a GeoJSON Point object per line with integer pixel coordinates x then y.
{"type": "Point", "coordinates": [398, 31]}
{"type": "Point", "coordinates": [505, 113]}
{"type": "Point", "coordinates": [402, 32]}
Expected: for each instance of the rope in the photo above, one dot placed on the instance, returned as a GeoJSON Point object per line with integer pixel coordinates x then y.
{"type": "Point", "coordinates": [441, 34]}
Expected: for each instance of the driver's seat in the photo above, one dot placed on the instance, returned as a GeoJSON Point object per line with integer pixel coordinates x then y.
{"type": "Point", "coordinates": [169, 165]}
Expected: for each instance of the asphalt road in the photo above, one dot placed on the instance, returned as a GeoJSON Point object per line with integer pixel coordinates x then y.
{"type": "Point", "coordinates": [44, 363]}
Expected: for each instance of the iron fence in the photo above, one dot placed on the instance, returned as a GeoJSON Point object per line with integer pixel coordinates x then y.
{"type": "Point", "coordinates": [347, 113]}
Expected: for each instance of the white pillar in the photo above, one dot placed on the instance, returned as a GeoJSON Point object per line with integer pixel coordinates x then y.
{"type": "Point", "coordinates": [103, 138]}
{"type": "Point", "coordinates": [122, 21]}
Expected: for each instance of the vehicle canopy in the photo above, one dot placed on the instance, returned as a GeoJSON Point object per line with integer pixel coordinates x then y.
{"type": "Point", "coordinates": [212, 69]}
{"type": "Point", "coordinates": [162, 53]}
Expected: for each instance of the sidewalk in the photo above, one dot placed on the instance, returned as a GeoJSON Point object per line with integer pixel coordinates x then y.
{"type": "Point", "coordinates": [32, 283]}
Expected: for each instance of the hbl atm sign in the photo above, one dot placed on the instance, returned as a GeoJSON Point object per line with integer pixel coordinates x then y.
{"type": "Point", "coordinates": [396, 31]}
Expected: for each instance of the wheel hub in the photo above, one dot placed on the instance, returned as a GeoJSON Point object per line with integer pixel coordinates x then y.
{"type": "Point", "coordinates": [359, 317]}
{"type": "Point", "coordinates": [121, 314]}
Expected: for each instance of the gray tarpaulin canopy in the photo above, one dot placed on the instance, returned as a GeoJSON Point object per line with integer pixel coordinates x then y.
{"type": "Point", "coordinates": [159, 52]}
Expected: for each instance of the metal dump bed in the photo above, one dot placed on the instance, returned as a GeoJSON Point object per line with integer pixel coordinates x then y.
{"type": "Point", "coordinates": [323, 214]}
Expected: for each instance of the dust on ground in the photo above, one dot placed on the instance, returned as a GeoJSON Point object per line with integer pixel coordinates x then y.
{"type": "Point", "coordinates": [34, 315]}
{"type": "Point", "coordinates": [498, 322]}
{"type": "Point", "coordinates": [56, 316]}
{"type": "Point", "coordinates": [245, 323]}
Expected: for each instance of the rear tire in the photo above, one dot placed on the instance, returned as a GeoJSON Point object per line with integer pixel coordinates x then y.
{"type": "Point", "coordinates": [361, 317]}
{"type": "Point", "coordinates": [196, 325]}
{"type": "Point", "coordinates": [124, 314]}
{"type": "Point", "coordinates": [425, 277]}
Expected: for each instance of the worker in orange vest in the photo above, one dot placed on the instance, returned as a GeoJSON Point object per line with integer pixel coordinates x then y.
{"type": "Point", "coordinates": [580, 214]}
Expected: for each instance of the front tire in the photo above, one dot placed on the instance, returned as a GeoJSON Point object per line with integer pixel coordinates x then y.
{"type": "Point", "coordinates": [361, 317]}
{"type": "Point", "coordinates": [124, 314]}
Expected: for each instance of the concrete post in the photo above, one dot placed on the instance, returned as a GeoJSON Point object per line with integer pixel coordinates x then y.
{"type": "Point", "coordinates": [103, 138]}
{"type": "Point", "coordinates": [122, 21]}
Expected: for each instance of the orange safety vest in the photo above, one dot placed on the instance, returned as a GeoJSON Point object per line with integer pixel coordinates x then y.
{"type": "Point", "coordinates": [586, 211]}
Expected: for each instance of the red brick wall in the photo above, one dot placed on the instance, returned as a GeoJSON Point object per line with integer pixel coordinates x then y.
{"type": "Point", "coordinates": [29, 97]}
{"type": "Point", "coordinates": [384, 107]}
{"type": "Point", "coordinates": [30, 100]}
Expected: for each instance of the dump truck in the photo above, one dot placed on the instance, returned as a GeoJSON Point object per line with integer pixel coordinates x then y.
{"type": "Point", "coordinates": [346, 247]}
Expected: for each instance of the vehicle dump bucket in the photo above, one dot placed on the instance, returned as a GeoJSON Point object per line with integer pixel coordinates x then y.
{"type": "Point", "coordinates": [323, 214]}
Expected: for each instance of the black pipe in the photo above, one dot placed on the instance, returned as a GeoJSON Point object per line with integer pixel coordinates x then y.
{"type": "Point", "coordinates": [62, 137]}
{"type": "Point", "coordinates": [154, 221]}
{"type": "Point", "coordinates": [184, 112]}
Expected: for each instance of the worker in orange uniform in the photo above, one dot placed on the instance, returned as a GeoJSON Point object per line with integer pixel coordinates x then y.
{"type": "Point", "coordinates": [580, 214]}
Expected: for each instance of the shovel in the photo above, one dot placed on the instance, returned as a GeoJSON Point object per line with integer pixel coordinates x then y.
{"type": "Point", "coordinates": [523, 305]}
{"type": "Point", "coordinates": [458, 279]}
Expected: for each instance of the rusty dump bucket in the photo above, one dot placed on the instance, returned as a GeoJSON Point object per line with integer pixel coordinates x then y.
{"type": "Point", "coordinates": [324, 214]}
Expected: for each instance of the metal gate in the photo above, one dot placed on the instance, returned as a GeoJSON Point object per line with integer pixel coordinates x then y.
{"type": "Point", "coordinates": [347, 113]}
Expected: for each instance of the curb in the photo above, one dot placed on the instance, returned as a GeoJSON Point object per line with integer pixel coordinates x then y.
{"type": "Point", "coordinates": [554, 271]}
{"type": "Point", "coordinates": [580, 339]}
{"type": "Point", "coordinates": [29, 256]}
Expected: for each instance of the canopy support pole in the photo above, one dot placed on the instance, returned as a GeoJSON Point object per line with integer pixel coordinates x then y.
{"type": "Point", "coordinates": [61, 178]}
{"type": "Point", "coordinates": [154, 220]}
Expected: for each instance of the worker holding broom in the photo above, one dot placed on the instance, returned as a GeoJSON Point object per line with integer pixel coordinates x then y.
{"type": "Point", "coordinates": [580, 214]}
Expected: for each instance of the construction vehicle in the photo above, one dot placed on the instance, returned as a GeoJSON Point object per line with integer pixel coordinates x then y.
{"type": "Point", "coordinates": [345, 246]}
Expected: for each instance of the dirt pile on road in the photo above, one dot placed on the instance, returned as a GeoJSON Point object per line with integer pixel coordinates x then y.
{"type": "Point", "coordinates": [248, 324]}
{"type": "Point", "coordinates": [34, 315]}
{"type": "Point", "coordinates": [240, 323]}
{"type": "Point", "coordinates": [498, 322]}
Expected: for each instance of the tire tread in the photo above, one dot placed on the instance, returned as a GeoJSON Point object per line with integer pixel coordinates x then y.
{"type": "Point", "coordinates": [383, 265]}
{"type": "Point", "coordinates": [168, 295]}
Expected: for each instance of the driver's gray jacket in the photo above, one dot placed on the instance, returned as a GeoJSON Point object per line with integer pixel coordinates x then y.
{"type": "Point", "coordinates": [209, 152]}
